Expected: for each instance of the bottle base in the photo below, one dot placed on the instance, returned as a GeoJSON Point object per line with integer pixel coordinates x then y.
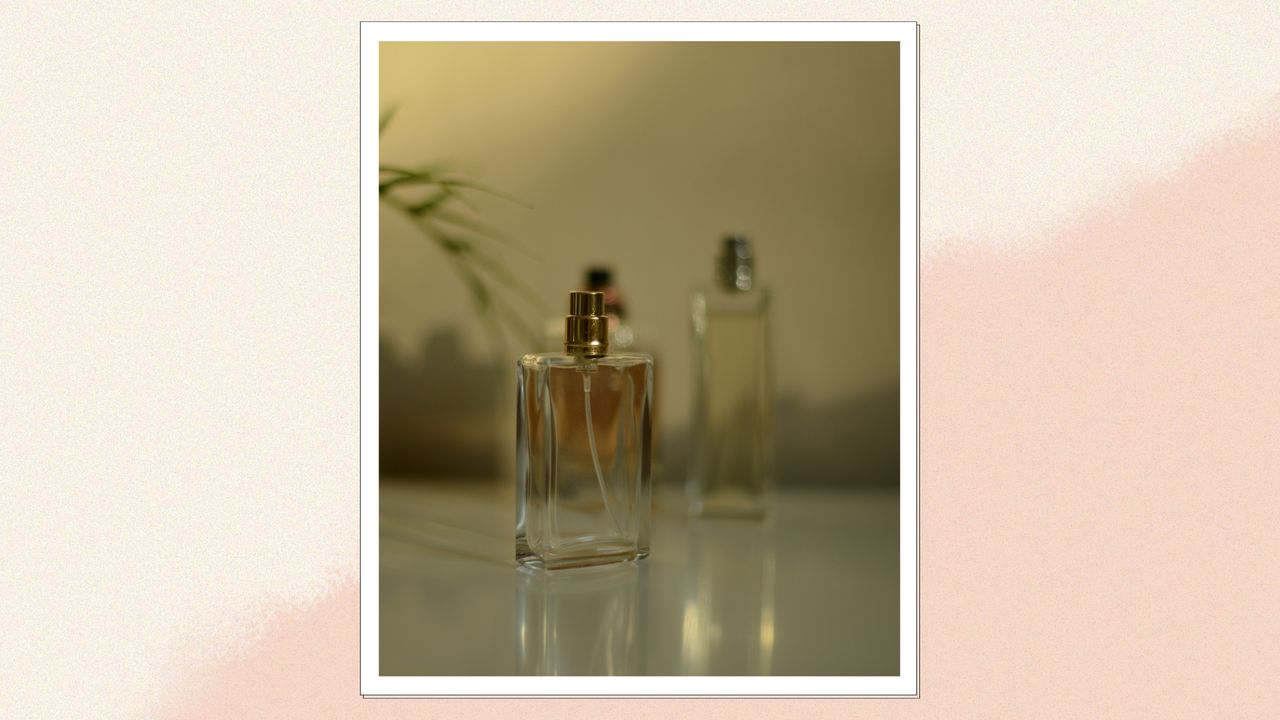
{"type": "Point", "coordinates": [730, 506]}
{"type": "Point", "coordinates": [579, 556]}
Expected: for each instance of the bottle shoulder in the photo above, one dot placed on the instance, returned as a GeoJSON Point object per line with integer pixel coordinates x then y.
{"type": "Point", "coordinates": [716, 298]}
{"type": "Point", "coordinates": [718, 295]}
{"type": "Point", "coordinates": [549, 360]}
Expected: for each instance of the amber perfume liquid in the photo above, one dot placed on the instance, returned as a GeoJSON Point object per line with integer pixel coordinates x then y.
{"type": "Point", "coordinates": [583, 459]}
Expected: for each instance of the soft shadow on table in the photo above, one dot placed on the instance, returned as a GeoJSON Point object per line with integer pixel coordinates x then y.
{"type": "Point", "coordinates": [446, 538]}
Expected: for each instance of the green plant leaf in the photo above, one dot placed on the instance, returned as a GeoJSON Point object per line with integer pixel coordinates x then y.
{"type": "Point", "coordinates": [499, 272]}
{"type": "Point", "coordinates": [385, 119]}
{"type": "Point", "coordinates": [484, 231]}
{"type": "Point", "coordinates": [455, 182]}
{"type": "Point", "coordinates": [481, 273]}
{"type": "Point", "coordinates": [430, 205]}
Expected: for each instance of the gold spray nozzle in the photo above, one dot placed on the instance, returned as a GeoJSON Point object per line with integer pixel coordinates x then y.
{"type": "Point", "coordinates": [586, 328]}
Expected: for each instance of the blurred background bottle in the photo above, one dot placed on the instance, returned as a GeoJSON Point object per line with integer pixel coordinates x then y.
{"type": "Point", "coordinates": [731, 458]}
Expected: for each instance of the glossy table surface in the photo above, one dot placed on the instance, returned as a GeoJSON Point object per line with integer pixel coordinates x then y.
{"type": "Point", "coordinates": [811, 591]}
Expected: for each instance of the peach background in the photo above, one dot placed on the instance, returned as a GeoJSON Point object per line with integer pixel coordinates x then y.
{"type": "Point", "coordinates": [1100, 194]}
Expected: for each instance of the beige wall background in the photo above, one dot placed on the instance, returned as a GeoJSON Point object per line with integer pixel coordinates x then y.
{"type": "Point", "coordinates": [642, 156]}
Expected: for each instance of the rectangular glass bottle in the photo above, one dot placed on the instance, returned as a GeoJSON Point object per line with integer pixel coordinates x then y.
{"type": "Point", "coordinates": [731, 459]}
{"type": "Point", "coordinates": [583, 456]}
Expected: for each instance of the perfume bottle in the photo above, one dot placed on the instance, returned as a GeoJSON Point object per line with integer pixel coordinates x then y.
{"type": "Point", "coordinates": [731, 463]}
{"type": "Point", "coordinates": [583, 447]}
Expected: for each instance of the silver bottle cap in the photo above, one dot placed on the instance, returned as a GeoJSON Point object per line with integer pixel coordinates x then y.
{"type": "Point", "coordinates": [735, 267]}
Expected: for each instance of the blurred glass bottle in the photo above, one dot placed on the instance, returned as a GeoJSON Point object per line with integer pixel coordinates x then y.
{"type": "Point", "coordinates": [731, 458]}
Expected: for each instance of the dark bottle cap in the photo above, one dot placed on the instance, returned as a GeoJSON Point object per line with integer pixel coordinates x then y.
{"type": "Point", "coordinates": [599, 276]}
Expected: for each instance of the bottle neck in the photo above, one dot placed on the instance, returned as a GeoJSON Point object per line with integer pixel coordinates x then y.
{"type": "Point", "coordinates": [735, 269]}
{"type": "Point", "coordinates": [736, 278]}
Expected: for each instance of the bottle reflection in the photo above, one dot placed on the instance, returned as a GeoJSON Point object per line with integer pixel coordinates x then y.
{"type": "Point", "coordinates": [580, 622]}
{"type": "Point", "coordinates": [728, 618]}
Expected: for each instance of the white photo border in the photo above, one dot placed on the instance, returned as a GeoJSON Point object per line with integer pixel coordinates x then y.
{"type": "Point", "coordinates": [905, 684]}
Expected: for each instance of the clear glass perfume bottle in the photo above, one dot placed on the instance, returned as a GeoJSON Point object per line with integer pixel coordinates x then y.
{"type": "Point", "coordinates": [583, 447]}
{"type": "Point", "coordinates": [731, 459]}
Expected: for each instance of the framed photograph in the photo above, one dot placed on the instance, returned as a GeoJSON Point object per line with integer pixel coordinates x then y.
{"type": "Point", "coordinates": [639, 359]}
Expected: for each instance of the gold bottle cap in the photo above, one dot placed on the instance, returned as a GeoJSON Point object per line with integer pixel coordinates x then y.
{"type": "Point", "coordinates": [586, 327]}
